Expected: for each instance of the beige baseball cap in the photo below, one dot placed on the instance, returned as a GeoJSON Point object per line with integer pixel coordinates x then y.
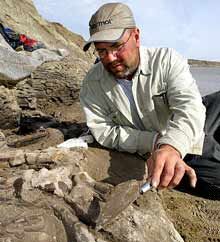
{"type": "Point", "coordinates": [108, 23]}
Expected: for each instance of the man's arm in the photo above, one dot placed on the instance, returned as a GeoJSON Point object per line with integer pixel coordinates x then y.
{"type": "Point", "coordinates": [185, 127]}
{"type": "Point", "coordinates": [108, 132]}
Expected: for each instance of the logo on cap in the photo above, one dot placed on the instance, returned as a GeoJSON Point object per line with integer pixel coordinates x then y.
{"type": "Point", "coordinates": [100, 23]}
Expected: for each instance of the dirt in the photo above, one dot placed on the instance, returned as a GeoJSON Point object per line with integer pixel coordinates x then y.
{"type": "Point", "coordinates": [196, 219]}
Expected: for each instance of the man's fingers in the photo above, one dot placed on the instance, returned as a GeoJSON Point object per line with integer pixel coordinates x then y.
{"type": "Point", "coordinates": [166, 169]}
{"type": "Point", "coordinates": [192, 175]}
{"type": "Point", "coordinates": [150, 166]}
{"type": "Point", "coordinates": [162, 172]}
{"type": "Point", "coordinates": [157, 172]}
{"type": "Point", "coordinates": [167, 174]}
{"type": "Point", "coordinates": [178, 175]}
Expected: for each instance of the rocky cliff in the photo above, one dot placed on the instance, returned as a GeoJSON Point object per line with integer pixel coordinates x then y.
{"type": "Point", "coordinates": [54, 83]}
{"type": "Point", "coordinates": [23, 17]}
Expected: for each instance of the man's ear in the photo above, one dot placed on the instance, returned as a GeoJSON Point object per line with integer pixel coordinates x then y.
{"type": "Point", "coordinates": [137, 36]}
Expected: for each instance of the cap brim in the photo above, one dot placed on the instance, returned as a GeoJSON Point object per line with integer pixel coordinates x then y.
{"type": "Point", "coordinates": [108, 35]}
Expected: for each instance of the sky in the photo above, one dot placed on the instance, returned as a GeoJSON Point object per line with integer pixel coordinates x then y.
{"type": "Point", "coordinates": [192, 27]}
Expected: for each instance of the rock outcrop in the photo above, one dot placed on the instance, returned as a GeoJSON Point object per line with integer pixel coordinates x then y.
{"type": "Point", "coordinates": [39, 202]}
{"type": "Point", "coordinates": [23, 17]}
{"type": "Point", "coordinates": [54, 86]}
{"type": "Point", "coordinates": [9, 109]}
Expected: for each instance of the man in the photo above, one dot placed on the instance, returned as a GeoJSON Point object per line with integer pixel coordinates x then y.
{"type": "Point", "coordinates": [142, 100]}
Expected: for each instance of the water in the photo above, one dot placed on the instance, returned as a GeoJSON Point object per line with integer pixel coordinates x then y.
{"type": "Point", "coordinates": [207, 78]}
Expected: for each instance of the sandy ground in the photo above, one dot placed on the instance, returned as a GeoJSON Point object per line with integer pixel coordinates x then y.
{"type": "Point", "coordinates": [196, 219]}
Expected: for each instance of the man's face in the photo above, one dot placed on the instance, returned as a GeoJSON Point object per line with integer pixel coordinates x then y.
{"type": "Point", "coordinates": [121, 58]}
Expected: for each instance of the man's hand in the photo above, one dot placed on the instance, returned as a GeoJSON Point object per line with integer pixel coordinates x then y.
{"type": "Point", "coordinates": [166, 168]}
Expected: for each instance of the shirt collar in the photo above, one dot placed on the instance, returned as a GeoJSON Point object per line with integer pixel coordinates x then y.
{"type": "Point", "coordinates": [144, 67]}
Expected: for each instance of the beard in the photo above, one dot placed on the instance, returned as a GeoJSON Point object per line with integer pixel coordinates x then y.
{"type": "Point", "coordinates": [119, 70]}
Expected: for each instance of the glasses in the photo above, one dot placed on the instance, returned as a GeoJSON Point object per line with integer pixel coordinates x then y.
{"type": "Point", "coordinates": [115, 49]}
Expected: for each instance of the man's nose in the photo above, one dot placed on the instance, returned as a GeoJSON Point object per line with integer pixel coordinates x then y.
{"type": "Point", "coordinates": [111, 56]}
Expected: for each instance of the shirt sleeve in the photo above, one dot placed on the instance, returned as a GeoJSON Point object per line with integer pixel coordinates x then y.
{"type": "Point", "coordinates": [185, 127]}
{"type": "Point", "coordinates": [106, 131]}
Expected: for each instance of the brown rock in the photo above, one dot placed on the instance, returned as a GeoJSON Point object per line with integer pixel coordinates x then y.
{"type": "Point", "coordinates": [48, 180]}
{"type": "Point", "coordinates": [25, 224]}
{"type": "Point", "coordinates": [52, 85]}
{"type": "Point", "coordinates": [148, 223]}
{"type": "Point", "coordinates": [9, 109]}
{"type": "Point", "coordinates": [16, 157]}
{"type": "Point", "coordinates": [85, 197]}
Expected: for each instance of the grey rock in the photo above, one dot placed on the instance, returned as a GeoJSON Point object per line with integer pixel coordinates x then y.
{"type": "Point", "coordinates": [39, 139]}
{"type": "Point", "coordinates": [16, 66]}
{"type": "Point", "coordinates": [18, 158]}
{"type": "Point", "coordinates": [83, 197]}
{"type": "Point", "coordinates": [9, 108]}
{"type": "Point", "coordinates": [63, 186]}
{"type": "Point", "coordinates": [4, 164]}
{"type": "Point", "coordinates": [143, 225]}
{"type": "Point", "coordinates": [101, 240]}
{"type": "Point", "coordinates": [14, 157]}
{"type": "Point", "coordinates": [76, 231]}
{"type": "Point", "coordinates": [82, 233]}
{"type": "Point", "coordinates": [3, 142]}
{"type": "Point", "coordinates": [31, 196]}
{"type": "Point", "coordinates": [49, 180]}
{"type": "Point", "coordinates": [83, 202]}
{"type": "Point", "coordinates": [67, 217]}
{"type": "Point", "coordinates": [7, 186]}
{"type": "Point", "coordinates": [53, 157]}
{"type": "Point", "coordinates": [56, 83]}
{"type": "Point", "coordinates": [23, 224]}
{"type": "Point", "coordinates": [32, 157]}
{"type": "Point", "coordinates": [86, 197]}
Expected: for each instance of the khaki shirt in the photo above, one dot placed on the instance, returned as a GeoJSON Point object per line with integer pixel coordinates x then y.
{"type": "Point", "coordinates": [167, 100]}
